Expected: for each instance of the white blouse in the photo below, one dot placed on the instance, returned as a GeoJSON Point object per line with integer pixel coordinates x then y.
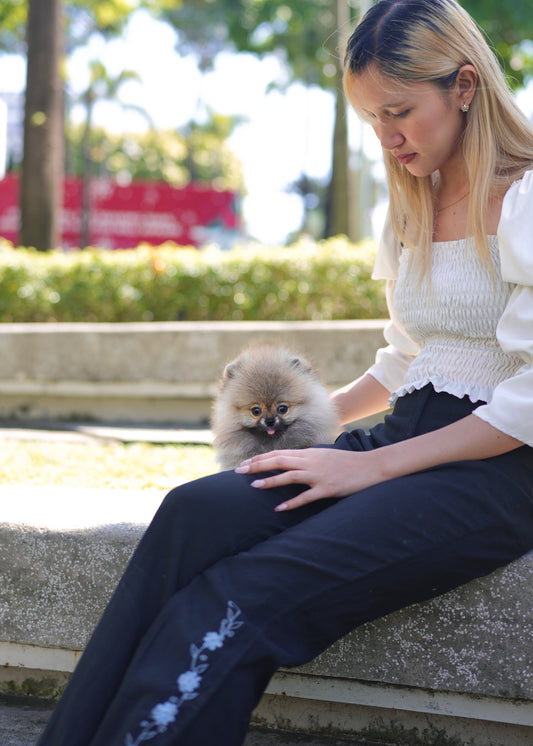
{"type": "Point", "coordinates": [468, 331]}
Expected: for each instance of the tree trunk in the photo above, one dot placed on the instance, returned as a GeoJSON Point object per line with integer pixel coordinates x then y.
{"type": "Point", "coordinates": [86, 172]}
{"type": "Point", "coordinates": [339, 202]}
{"type": "Point", "coordinates": [41, 192]}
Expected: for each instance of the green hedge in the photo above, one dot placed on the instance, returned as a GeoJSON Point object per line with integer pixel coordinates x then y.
{"type": "Point", "coordinates": [328, 280]}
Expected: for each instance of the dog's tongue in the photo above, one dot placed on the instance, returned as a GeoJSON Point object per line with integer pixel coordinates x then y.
{"type": "Point", "coordinates": [270, 431]}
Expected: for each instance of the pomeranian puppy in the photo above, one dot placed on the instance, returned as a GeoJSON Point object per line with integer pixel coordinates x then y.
{"type": "Point", "coordinates": [269, 398]}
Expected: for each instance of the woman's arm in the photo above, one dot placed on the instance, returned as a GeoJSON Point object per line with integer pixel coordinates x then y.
{"type": "Point", "coordinates": [361, 398]}
{"type": "Point", "coordinates": [337, 473]}
{"type": "Point", "coordinates": [467, 439]}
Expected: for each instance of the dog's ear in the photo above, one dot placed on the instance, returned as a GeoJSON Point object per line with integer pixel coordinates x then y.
{"type": "Point", "coordinates": [230, 370]}
{"type": "Point", "coordinates": [228, 373]}
{"type": "Point", "coordinates": [301, 364]}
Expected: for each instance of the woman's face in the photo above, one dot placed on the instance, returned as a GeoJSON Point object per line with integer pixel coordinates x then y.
{"type": "Point", "coordinates": [418, 123]}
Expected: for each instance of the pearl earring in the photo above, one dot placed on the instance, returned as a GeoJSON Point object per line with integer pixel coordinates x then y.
{"type": "Point", "coordinates": [465, 108]}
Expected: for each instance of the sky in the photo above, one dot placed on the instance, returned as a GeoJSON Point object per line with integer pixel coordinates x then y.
{"type": "Point", "coordinates": [282, 136]}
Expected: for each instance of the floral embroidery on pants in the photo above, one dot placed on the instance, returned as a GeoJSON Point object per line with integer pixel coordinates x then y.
{"type": "Point", "coordinates": [165, 713]}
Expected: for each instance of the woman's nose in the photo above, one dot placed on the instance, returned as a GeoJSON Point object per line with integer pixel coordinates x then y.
{"type": "Point", "coordinates": [388, 136]}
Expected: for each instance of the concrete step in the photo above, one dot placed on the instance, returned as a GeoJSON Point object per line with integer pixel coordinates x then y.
{"type": "Point", "coordinates": [158, 371]}
{"type": "Point", "coordinates": [22, 722]}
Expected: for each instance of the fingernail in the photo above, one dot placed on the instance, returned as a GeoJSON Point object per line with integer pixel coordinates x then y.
{"type": "Point", "coordinates": [243, 468]}
{"type": "Point", "coordinates": [258, 483]}
{"type": "Point", "coordinates": [280, 508]}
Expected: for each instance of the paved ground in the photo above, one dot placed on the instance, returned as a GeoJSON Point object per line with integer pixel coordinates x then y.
{"type": "Point", "coordinates": [21, 723]}
{"type": "Point", "coordinates": [83, 431]}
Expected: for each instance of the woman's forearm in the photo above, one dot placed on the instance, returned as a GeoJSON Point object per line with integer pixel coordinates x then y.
{"type": "Point", "coordinates": [361, 398]}
{"type": "Point", "coordinates": [468, 438]}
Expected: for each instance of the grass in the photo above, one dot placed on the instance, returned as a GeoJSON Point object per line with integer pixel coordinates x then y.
{"type": "Point", "coordinates": [100, 464]}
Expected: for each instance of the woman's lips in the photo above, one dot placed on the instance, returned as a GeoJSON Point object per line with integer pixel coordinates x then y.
{"type": "Point", "coordinates": [405, 159]}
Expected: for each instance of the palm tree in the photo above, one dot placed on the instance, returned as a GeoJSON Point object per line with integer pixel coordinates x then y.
{"type": "Point", "coordinates": [102, 87]}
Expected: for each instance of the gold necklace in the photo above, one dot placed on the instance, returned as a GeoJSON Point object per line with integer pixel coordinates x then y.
{"type": "Point", "coordinates": [438, 210]}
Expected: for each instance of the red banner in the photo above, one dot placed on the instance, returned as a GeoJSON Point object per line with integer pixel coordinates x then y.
{"type": "Point", "coordinates": [121, 217]}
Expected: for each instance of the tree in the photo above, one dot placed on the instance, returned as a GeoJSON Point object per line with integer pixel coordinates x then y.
{"type": "Point", "coordinates": [305, 33]}
{"type": "Point", "coordinates": [80, 19]}
{"type": "Point", "coordinates": [101, 87]}
{"type": "Point", "coordinates": [508, 27]}
{"type": "Point", "coordinates": [42, 169]}
{"type": "Point", "coordinates": [13, 19]}
{"type": "Point", "coordinates": [199, 154]}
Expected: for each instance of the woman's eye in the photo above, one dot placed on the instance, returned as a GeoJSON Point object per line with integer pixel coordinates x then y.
{"type": "Point", "coordinates": [401, 114]}
{"type": "Point", "coordinates": [255, 411]}
{"type": "Point", "coordinates": [283, 409]}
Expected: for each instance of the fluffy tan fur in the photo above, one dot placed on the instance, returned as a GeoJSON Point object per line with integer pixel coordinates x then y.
{"type": "Point", "coordinates": [270, 398]}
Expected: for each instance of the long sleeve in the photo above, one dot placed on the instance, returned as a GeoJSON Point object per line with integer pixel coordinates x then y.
{"type": "Point", "coordinates": [393, 360]}
{"type": "Point", "coordinates": [511, 407]}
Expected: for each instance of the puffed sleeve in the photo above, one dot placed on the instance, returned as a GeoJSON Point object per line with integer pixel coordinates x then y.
{"type": "Point", "coordinates": [392, 361]}
{"type": "Point", "coordinates": [511, 407]}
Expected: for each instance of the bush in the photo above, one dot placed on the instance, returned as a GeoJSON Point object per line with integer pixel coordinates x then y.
{"type": "Point", "coordinates": [307, 281]}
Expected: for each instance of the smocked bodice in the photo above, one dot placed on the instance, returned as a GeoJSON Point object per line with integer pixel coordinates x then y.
{"type": "Point", "coordinates": [453, 319]}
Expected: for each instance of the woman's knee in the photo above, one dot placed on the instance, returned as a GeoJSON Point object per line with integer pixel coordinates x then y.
{"type": "Point", "coordinates": [192, 503]}
{"type": "Point", "coordinates": [211, 493]}
{"type": "Point", "coordinates": [222, 499]}
{"type": "Point", "coordinates": [225, 508]}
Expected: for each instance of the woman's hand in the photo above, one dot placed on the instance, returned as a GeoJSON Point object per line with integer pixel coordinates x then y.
{"type": "Point", "coordinates": [328, 472]}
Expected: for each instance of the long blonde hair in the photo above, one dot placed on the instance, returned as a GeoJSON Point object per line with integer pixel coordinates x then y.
{"type": "Point", "coordinates": [417, 41]}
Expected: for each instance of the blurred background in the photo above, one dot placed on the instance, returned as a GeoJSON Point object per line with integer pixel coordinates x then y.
{"type": "Point", "coordinates": [195, 121]}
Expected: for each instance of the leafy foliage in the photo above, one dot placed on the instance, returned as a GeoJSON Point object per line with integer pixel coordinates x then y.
{"type": "Point", "coordinates": [507, 26]}
{"type": "Point", "coordinates": [301, 31]}
{"type": "Point", "coordinates": [82, 18]}
{"type": "Point", "coordinates": [329, 280]}
{"type": "Point", "coordinates": [305, 32]}
{"type": "Point", "coordinates": [198, 154]}
{"type": "Point", "coordinates": [13, 16]}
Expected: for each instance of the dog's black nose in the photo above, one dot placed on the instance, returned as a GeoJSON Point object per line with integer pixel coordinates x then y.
{"type": "Point", "coordinates": [270, 421]}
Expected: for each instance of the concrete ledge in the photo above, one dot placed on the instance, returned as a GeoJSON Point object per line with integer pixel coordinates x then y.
{"type": "Point", "coordinates": [455, 671]}
{"type": "Point", "coordinates": [157, 371]}
{"type": "Point", "coordinates": [62, 552]}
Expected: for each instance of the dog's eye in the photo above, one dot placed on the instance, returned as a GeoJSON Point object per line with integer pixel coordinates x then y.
{"type": "Point", "coordinates": [255, 411]}
{"type": "Point", "coordinates": [283, 409]}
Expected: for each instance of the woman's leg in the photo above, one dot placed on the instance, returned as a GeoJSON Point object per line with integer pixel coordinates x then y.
{"type": "Point", "coordinates": [196, 525]}
{"type": "Point", "coordinates": [286, 599]}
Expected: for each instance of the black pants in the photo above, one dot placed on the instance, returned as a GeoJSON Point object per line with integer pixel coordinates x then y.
{"type": "Point", "coordinates": [222, 590]}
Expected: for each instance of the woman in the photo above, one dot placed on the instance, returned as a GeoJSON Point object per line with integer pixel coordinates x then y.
{"type": "Point", "coordinates": [246, 571]}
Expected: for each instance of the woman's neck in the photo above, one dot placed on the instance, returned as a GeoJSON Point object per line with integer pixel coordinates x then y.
{"type": "Point", "coordinates": [451, 183]}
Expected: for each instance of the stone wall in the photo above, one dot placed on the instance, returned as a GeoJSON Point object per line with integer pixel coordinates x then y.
{"type": "Point", "coordinates": [159, 371]}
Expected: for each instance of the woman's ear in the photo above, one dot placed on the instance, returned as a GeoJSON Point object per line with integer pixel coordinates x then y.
{"type": "Point", "coordinates": [466, 84]}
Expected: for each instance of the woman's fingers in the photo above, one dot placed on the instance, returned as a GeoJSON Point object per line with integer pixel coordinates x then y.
{"type": "Point", "coordinates": [303, 498]}
{"type": "Point", "coordinates": [270, 462]}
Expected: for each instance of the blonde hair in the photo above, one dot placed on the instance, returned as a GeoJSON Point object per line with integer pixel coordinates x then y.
{"type": "Point", "coordinates": [421, 41]}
